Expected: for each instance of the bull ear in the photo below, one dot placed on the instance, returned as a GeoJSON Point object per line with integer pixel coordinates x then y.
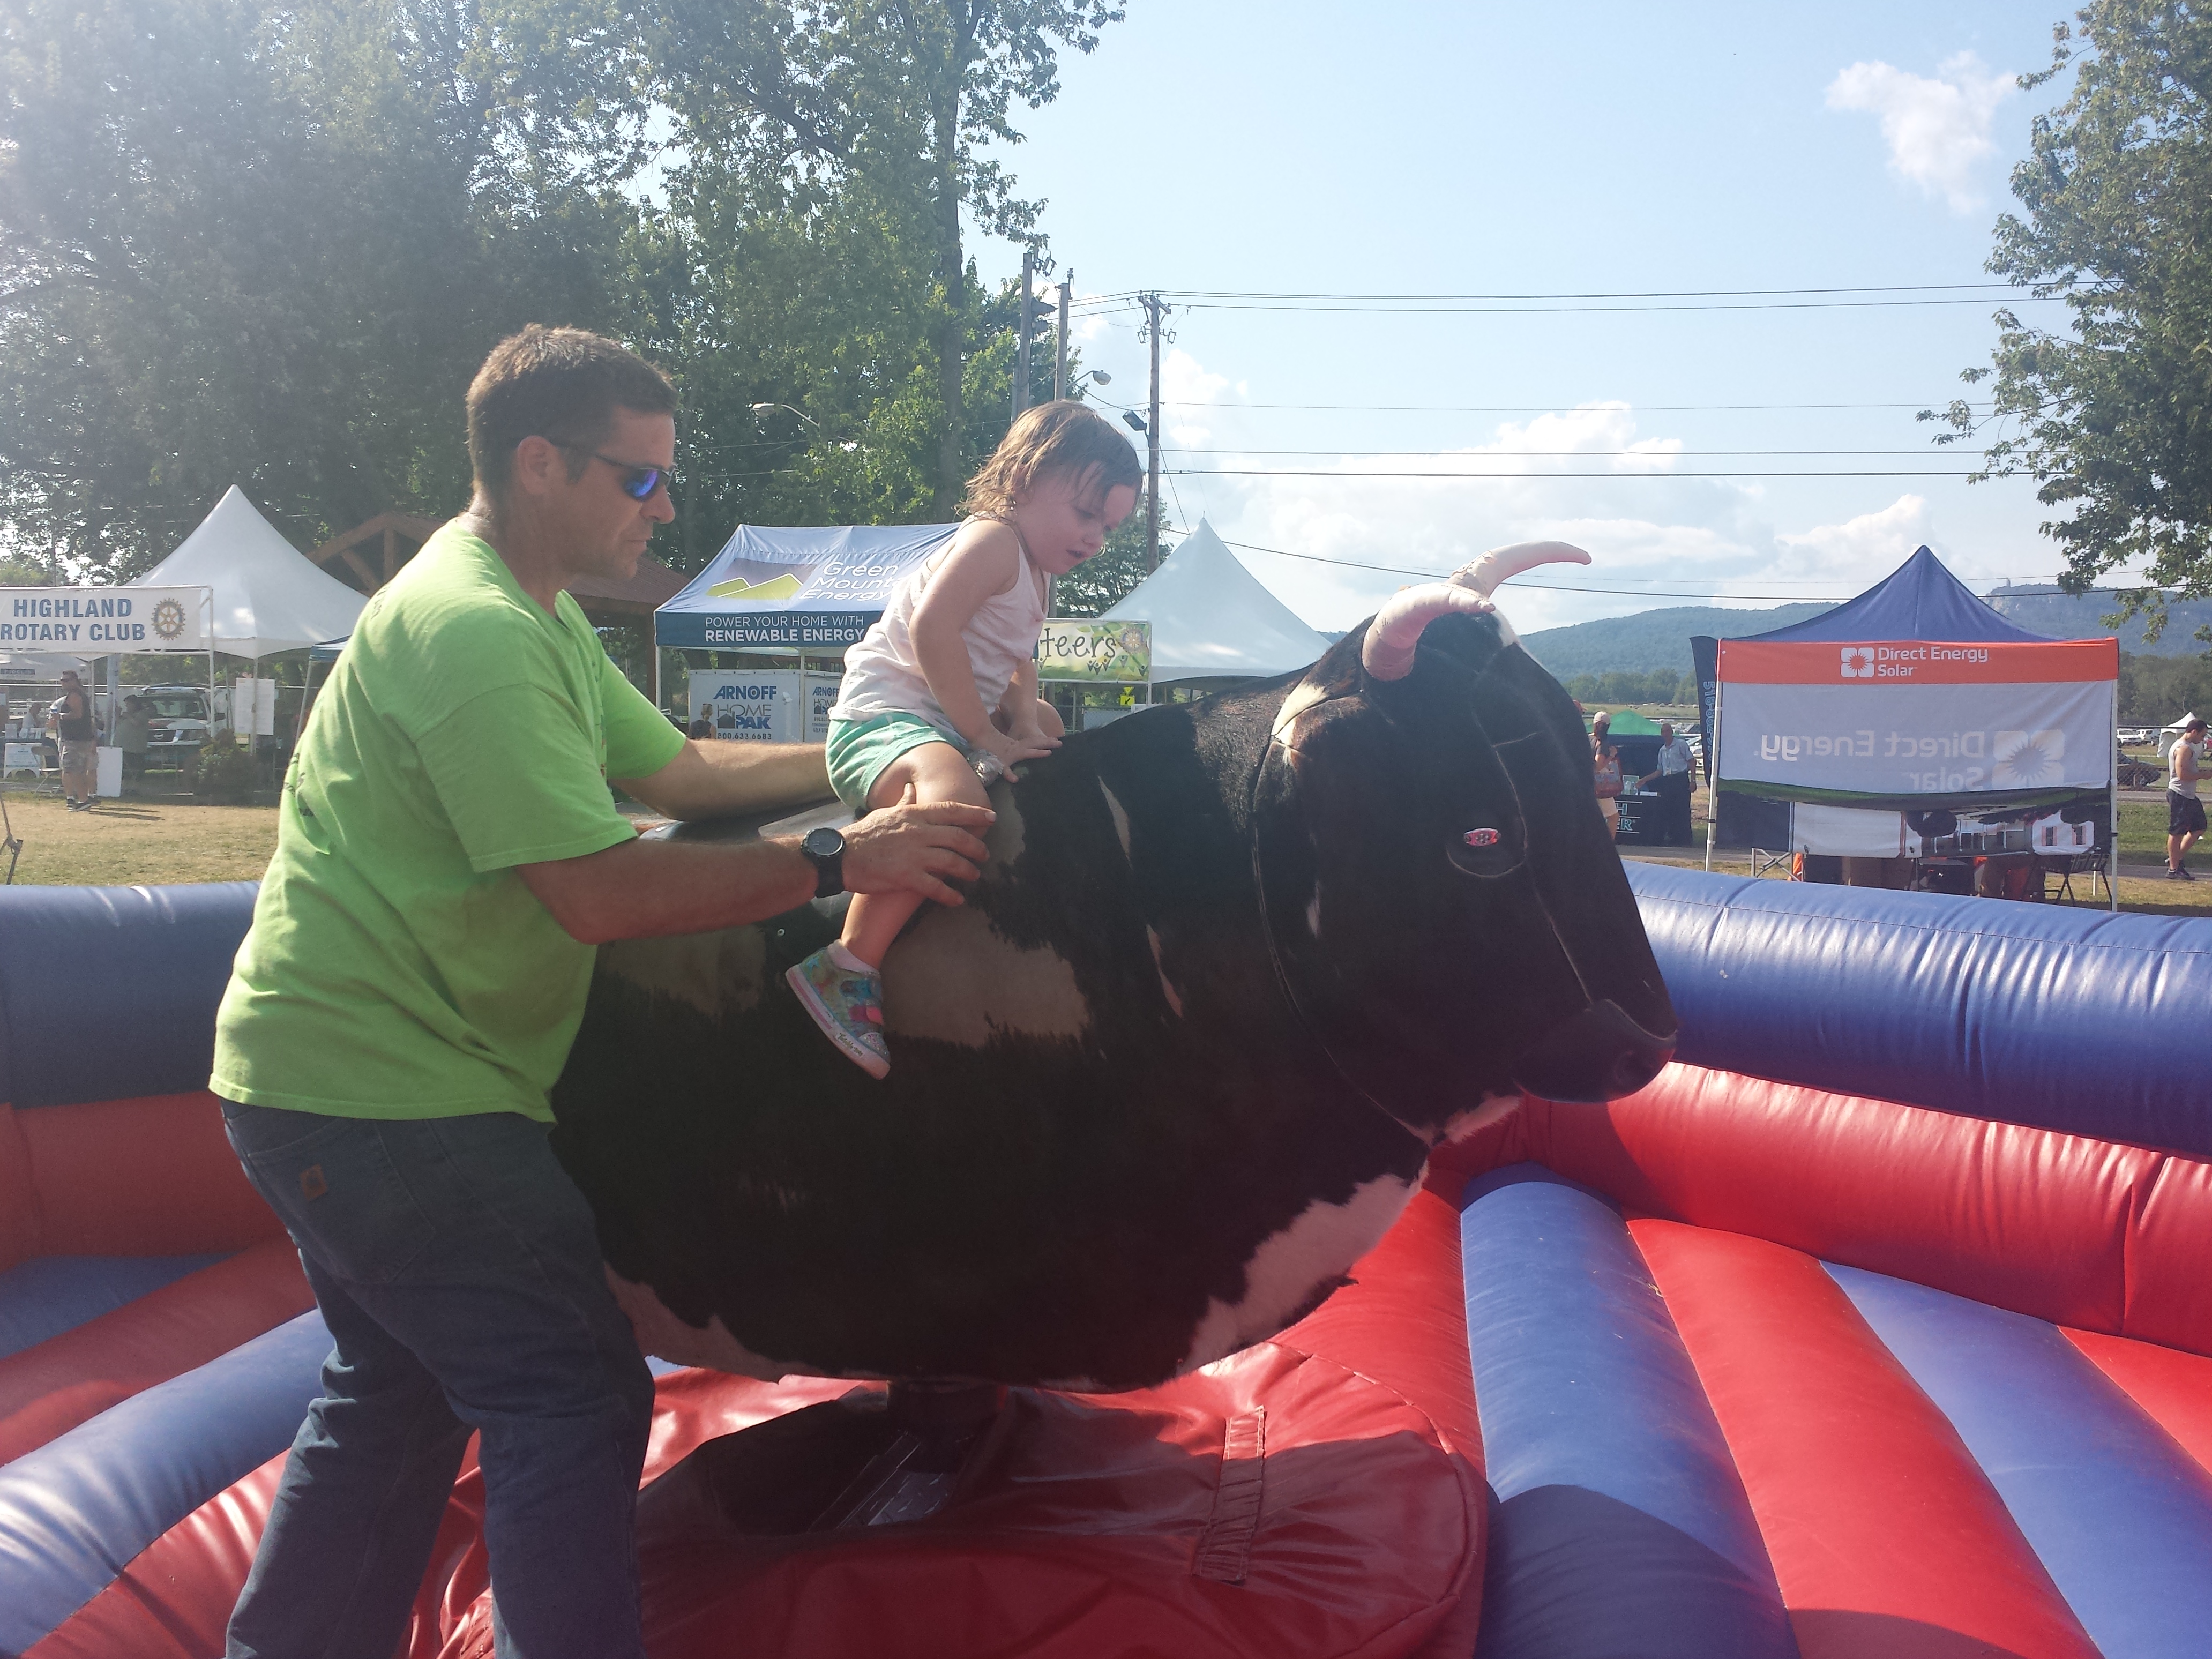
{"type": "Point", "coordinates": [1388, 653]}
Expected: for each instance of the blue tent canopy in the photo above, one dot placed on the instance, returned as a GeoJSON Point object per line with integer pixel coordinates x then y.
{"type": "Point", "coordinates": [796, 588]}
{"type": "Point", "coordinates": [1918, 600]}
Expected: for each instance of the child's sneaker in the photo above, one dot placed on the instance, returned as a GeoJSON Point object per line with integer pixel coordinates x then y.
{"type": "Point", "coordinates": [846, 998]}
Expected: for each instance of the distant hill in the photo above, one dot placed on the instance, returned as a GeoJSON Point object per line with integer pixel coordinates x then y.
{"type": "Point", "coordinates": [1652, 639]}
{"type": "Point", "coordinates": [2042, 607]}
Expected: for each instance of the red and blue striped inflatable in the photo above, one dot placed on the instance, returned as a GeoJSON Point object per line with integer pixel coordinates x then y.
{"type": "Point", "coordinates": [1879, 1324]}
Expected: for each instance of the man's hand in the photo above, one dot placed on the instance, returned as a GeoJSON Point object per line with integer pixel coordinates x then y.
{"type": "Point", "coordinates": [914, 849]}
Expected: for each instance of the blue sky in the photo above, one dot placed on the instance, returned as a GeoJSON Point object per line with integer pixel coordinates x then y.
{"type": "Point", "coordinates": [1299, 148]}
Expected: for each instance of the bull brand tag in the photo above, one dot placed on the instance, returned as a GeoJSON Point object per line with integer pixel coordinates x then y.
{"type": "Point", "coordinates": [1480, 838]}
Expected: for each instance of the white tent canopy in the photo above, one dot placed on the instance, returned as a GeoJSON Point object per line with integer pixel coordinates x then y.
{"type": "Point", "coordinates": [269, 597]}
{"type": "Point", "coordinates": [1212, 617]}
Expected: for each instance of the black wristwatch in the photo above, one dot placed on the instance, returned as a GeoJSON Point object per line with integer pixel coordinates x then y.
{"type": "Point", "coordinates": [824, 848]}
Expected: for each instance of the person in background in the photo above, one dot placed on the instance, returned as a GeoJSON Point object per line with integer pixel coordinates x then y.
{"type": "Point", "coordinates": [702, 728]}
{"type": "Point", "coordinates": [2184, 812]}
{"type": "Point", "coordinates": [71, 717]}
{"type": "Point", "coordinates": [1677, 772]}
{"type": "Point", "coordinates": [1605, 767]}
{"type": "Point", "coordinates": [132, 726]}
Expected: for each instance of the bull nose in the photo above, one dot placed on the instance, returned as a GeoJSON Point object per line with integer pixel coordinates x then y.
{"type": "Point", "coordinates": [1600, 1055]}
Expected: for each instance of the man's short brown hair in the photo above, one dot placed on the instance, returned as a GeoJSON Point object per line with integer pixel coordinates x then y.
{"type": "Point", "coordinates": [560, 384]}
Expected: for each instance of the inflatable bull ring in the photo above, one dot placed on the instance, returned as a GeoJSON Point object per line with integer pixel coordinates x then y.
{"type": "Point", "coordinates": [1289, 1116]}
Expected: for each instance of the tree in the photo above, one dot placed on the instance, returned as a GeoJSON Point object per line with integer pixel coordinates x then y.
{"type": "Point", "coordinates": [2115, 418]}
{"type": "Point", "coordinates": [242, 242]}
{"type": "Point", "coordinates": [887, 100]}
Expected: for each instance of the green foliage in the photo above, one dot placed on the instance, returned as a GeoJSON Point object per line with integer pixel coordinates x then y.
{"type": "Point", "coordinates": [2154, 690]}
{"type": "Point", "coordinates": [2115, 418]}
{"type": "Point", "coordinates": [882, 107]}
{"type": "Point", "coordinates": [1617, 686]}
{"type": "Point", "coordinates": [1111, 575]}
{"type": "Point", "coordinates": [1650, 639]}
{"type": "Point", "coordinates": [225, 773]}
{"type": "Point", "coordinates": [263, 244]}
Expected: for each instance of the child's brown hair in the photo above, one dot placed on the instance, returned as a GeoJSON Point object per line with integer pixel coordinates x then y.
{"type": "Point", "coordinates": [1065, 436]}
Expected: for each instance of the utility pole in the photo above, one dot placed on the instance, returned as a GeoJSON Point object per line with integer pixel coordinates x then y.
{"type": "Point", "coordinates": [1153, 311]}
{"type": "Point", "coordinates": [1060, 369]}
{"type": "Point", "coordinates": [1028, 325]}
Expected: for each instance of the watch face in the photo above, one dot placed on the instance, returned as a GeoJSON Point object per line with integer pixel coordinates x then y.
{"type": "Point", "coordinates": [823, 843]}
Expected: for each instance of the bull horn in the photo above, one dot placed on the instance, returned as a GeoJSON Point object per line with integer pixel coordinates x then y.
{"type": "Point", "coordinates": [1503, 563]}
{"type": "Point", "coordinates": [1388, 653]}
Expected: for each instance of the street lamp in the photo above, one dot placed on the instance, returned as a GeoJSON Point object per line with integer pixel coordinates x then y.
{"type": "Point", "coordinates": [847, 445]}
{"type": "Point", "coordinates": [762, 409]}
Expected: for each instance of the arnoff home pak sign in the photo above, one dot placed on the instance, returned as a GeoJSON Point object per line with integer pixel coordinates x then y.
{"type": "Point", "coordinates": [1916, 717]}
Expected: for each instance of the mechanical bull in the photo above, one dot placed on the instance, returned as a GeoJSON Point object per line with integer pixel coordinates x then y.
{"type": "Point", "coordinates": [1232, 970]}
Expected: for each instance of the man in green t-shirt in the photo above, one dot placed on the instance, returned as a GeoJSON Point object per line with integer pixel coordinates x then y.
{"type": "Point", "coordinates": [448, 856]}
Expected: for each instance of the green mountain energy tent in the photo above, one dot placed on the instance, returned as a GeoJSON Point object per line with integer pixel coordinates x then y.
{"type": "Point", "coordinates": [1211, 618]}
{"type": "Point", "coordinates": [774, 588]}
{"type": "Point", "coordinates": [1912, 715]}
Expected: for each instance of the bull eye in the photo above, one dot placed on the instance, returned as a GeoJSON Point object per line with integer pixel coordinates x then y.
{"type": "Point", "coordinates": [1485, 850]}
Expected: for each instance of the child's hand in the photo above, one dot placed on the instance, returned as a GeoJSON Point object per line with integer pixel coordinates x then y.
{"type": "Point", "coordinates": [1012, 747]}
{"type": "Point", "coordinates": [1034, 733]}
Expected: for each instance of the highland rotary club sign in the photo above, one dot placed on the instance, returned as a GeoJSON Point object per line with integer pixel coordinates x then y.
{"type": "Point", "coordinates": [100, 621]}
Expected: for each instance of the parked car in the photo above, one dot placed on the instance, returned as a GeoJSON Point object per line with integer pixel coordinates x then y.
{"type": "Point", "coordinates": [2136, 774]}
{"type": "Point", "coordinates": [2134, 736]}
{"type": "Point", "coordinates": [178, 726]}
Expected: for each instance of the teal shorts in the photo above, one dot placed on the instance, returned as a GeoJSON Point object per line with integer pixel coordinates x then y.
{"type": "Point", "coordinates": [858, 750]}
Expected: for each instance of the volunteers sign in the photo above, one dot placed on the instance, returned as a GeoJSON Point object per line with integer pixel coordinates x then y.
{"type": "Point", "coordinates": [1117, 653]}
{"type": "Point", "coordinates": [1894, 719]}
{"type": "Point", "coordinates": [99, 621]}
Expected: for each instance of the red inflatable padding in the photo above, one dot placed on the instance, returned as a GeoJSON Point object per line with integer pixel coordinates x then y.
{"type": "Point", "coordinates": [19, 1213]}
{"type": "Point", "coordinates": [49, 1390]}
{"type": "Point", "coordinates": [2082, 1232]}
{"type": "Point", "coordinates": [150, 1176]}
{"type": "Point", "coordinates": [1336, 1523]}
{"type": "Point", "coordinates": [1886, 1536]}
{"type": "Point", "coordinates": [173, 1601]}
{"type": "Point", "coordinates": [2174, 1388]}
{"type": "Point", "coordinates": [2169, 1252]}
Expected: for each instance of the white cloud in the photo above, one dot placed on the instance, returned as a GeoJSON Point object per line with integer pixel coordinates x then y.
{"type": "Point", "coordinates": [1872, 544]}
{"type": "Point", "coordinates": [1938, 130]}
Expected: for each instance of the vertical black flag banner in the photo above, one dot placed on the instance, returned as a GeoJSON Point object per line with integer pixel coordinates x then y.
{"type": "Point", "coordinates": [1705, 660]}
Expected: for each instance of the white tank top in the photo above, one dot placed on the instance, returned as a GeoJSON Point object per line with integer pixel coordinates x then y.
{"type": "Point", "coordinates": [883, 675]}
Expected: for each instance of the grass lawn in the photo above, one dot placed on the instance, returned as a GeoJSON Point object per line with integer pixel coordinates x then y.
{"type": "Point", "coordinates": [138, 842]}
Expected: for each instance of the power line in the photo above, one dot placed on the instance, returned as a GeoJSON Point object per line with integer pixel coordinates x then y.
{"type": "Point", "coordinates": [1600, 407]}
{"type": "Point", "coordinates": [1595, 294]}
{"type": "Point", "coordinates": [1746, 472]}
{"type": "Point", "coordinates": [1588, 310]}
{"type": "Point", "coordinates": [1548, 587]}
{"type": "Point", "coordinates": [1546, 454]}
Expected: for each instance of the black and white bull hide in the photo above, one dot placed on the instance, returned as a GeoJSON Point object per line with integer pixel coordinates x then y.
{"type": "Point", "coordinates": [1232, 970]}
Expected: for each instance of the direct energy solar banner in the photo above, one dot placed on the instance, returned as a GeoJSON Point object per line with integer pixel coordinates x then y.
{"type": "Point", "coordinates": [1894, 719]}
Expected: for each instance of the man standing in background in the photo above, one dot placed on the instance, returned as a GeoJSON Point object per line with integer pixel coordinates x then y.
{"type": "Point", "coordinates": [73, 735]}
{"type": "Point", "coordinates": [2184, 812]}
{"type": "Point", "coordinates": [1677, 770]}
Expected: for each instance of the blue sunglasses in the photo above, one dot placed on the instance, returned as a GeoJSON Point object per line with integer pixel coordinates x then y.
{"type": "Point", "coordinates": [638, 482]}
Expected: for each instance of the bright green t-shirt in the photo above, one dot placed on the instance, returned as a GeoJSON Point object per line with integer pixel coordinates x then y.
{"type": "Point", "coordinates": [397, 966]}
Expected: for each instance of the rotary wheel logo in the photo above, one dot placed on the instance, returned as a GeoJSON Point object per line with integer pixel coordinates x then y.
{"type": "Point", "coordinates": [169, 619]}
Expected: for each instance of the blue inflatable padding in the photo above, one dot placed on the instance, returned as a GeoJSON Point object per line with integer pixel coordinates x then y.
{"type": "Point", "coordinates": [108, 992]}
{"type": "Point", "coordinates": [2120, 1515]}
{"type": "Point", "coordinates": [75, 1511]}
{"type": "Point", "coordinates": [2019, 1012]}
{"type": "Point", "coordinates": [1622, 1524]}
{"type": "Point", "coordinates": [51, 1294]}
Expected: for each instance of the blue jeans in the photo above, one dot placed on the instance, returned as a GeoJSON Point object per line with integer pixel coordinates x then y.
{"type": "Point", "coordinates": [458, 1270]}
